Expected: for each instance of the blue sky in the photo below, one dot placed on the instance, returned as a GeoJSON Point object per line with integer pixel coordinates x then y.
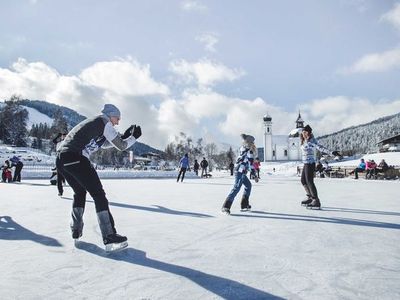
{"type": "Point", "coordinates": [208, 68]}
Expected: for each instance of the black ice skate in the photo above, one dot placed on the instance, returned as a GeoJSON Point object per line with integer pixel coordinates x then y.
{"type": "Point", "coordinates": [306, 201]}
{"type": "Point", "coordinates": [244, 204]}
{"type": "Point", "coordinates": [76, 234]}
{"type": "Point", "coordinates": [226, 207]}
{"type": "Point", "coordinates": [115, 242]}
{"type": "Point", "coordinates": [315, 204]}
{"type": "Point", "coordinates": [226, 211]}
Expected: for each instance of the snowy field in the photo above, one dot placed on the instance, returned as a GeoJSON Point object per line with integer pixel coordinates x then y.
{"type": "Point", "coordinates": [181, 247]}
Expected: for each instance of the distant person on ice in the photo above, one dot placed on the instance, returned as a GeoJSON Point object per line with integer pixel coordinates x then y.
{"type": "Point", "coordinates": [196, 167]}
{"type": "Point", "coordinates": [17, 163]}
{"type": "Point", "coordinates": [73, 162]}
{"type": "Point", "coordinates": [60, 178]}
{"type": "Point", "coordinates": [6, 175]}
{"type": "Point", "coordinates": [308, 146]}
{"type": "Point", "coordinates": [184, 165]}
{"type": "Point", "coordinates": [204, 166]}
{"type": "Point", "coordinates": [244, 163]}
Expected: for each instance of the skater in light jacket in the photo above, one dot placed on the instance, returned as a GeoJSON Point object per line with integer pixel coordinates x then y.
{"type": "Point", "coordinates": [308, 146]}
{"type": "Point", "coordinates": [244, 164]}
{"type": "Point", "coordinates": [73, 162]}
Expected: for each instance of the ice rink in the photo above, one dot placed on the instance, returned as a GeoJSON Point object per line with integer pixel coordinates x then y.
{"type": "Point", "coordinates": [182, 247]}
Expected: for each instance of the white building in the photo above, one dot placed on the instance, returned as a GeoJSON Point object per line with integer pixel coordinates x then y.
{"type": "Point", "coordinates": [282, 147]}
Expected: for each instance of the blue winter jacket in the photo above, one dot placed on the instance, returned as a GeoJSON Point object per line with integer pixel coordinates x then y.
{"type": "Point", "coordinates": [308, 150]}
{"type": "Point", "coordinates": [184, 162]}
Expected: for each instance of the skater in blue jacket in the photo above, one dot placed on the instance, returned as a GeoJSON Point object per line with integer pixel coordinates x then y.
{"type": "Point", "coordinates": [244, 164]}
{"type": "Point", "coordinates": [184, 165]}
{"type": "Point", "coordinates": [308, 146]}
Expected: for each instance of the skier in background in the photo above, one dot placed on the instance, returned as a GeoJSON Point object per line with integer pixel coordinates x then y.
{"type": "Point", "coordinates": [308, 146]}
{"type": "Point", "coordinates": [244, 163]}
{"type": "Point", "coordinates": [73, 162]}
{"type": "Point", "coordinates": [184, 165]}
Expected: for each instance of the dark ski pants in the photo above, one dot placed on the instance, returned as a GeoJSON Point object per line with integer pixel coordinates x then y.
{"type": "Point", "coordinates": [82, 177]}
{"type": "Point", "coordinates": [17, 172]}
{"type": "Point", "coordinates": [307, 180]}
{"type": "Point", "coordinates": [240, 179]}
{"type": "Point", "coordinates": [182, 171]}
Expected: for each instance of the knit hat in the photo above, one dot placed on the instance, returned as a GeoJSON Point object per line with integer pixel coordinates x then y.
{"type": "Point", "coordinates": [307, 128]}
{"type": "Point", "coordinates": [247, 138]}
{"type": "Point", "coordinates": [111, 110]}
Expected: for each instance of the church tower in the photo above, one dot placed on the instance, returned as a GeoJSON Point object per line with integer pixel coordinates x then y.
{"type": "Point", "coordinates": [299, 122]}
{"type": "Point", "coordinates": [267, 138]}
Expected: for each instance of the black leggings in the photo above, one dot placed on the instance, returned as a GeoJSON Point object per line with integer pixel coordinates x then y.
{"type": "Point", "coordinates": [182, 171]}
{"type": "Point", "coordinates": [82, 177]}
{"type": "Point", "coordinates": [307, 180]}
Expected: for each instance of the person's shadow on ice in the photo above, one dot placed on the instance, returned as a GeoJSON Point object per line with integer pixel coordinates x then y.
{"type": "Point", "coordinates": [224, 288]}
{"type": "Point", "coordinates": [10, 230]}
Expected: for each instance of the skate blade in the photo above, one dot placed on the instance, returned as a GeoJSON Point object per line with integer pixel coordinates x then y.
{"type": "Point", "coordinates": [116, 247]}
{"type": "Point", "coordinates": [225, 213]}
{"type": "Point", "coordinates": [313, 208]}
{"type": "Point", "coordinates": [245, 209]}
{"type": "Point", "coordinates": [76, 243]}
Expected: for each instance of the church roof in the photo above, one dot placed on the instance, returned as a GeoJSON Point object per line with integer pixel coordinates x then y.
{"type": "Point", "coordinates": [295, 132]}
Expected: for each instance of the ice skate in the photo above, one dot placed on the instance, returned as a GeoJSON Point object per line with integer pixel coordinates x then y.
{"type": "Point", "coordinates": [315, 204]}
{"type": "Point", "coordinates": [246, 208]}
{"type": "Point", "coordinates": [115, 242]}
{"type": "Point", "coordinates": [226, 211]}
{"type": "Point", "coordinates": [244, 204]}
{"type": "Point", "coordinates": [226, 207]}
{"type": "Point", "coordinates": [306, 201]}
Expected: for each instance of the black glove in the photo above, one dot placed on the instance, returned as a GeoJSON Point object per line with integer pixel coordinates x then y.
{"type": "Point", "coordinates": [127, 133]}
{"type": "Point", "coordinates": [336, 153]}
{"type": "Point", "coordinates": [137, 131]}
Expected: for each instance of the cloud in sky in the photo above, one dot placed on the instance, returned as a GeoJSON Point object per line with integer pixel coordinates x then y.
{"type": "Point", "coordinates": [204, 72]}
{"type": "Point", "coordinates": [381, 61]}
{"type": "Point", "coordinates": [393, 16]}
{"type": "Point", "coordinates": [191, 5]}
{"type": "Point", "coordinates": [199, 111]}
{"type": "Point", "coordinates": [375, 62]}
{"type": "Point", "coordinates": [209, 40]}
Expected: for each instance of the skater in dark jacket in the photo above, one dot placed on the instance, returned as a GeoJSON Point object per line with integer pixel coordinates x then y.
{"type": "Point", "coordinates": [73, 162]}
{"type": "Point", "coordinates": [59, 177]}
{"type": "Point", "coordinates": [244, 164]}
{"type": "Point", "coordinates": [17, 163]}
{"type": "Point", "coordinates": [196, 167]}
{"type": "Point", "coordinates": [204, 166]}
{"type": "Point", "coordinates": [184, 165]}
{"type": "Point", "coordinates": [308, 146]}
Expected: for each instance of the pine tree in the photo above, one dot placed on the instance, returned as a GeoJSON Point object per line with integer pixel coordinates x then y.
{"type": "Point", "coordinates": [13, 122]}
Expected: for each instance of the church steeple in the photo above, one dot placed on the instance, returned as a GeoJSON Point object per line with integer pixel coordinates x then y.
{"type": "Point", "coordinates": [299, 121]}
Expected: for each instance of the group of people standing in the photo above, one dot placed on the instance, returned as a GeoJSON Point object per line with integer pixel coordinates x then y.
{"type": "Point", "coordinates": [184, 166]}
{"type": "Point", "coordinates": [6, 174]}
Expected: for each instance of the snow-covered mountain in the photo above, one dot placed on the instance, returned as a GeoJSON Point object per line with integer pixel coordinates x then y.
{"type": "Point", "coordinates": [36, 117]}
{"type": "Point", "coordinates": [363, 138]}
